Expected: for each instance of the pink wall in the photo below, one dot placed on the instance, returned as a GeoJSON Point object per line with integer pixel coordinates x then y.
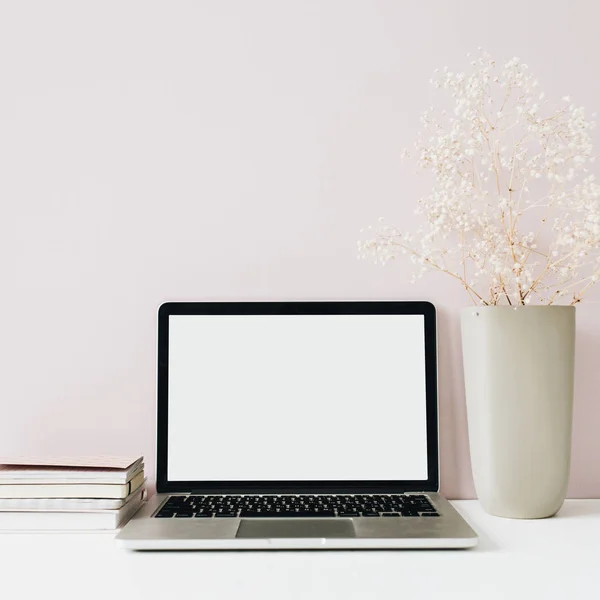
{"type": "Point", "coordinates": [230, 150]}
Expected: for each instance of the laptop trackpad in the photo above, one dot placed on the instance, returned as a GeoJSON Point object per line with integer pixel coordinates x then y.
{"type": "Point", "coordinates": [296, 528]}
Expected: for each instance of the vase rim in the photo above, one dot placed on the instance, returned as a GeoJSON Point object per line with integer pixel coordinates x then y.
{"type": "Point", "coordinates": [520, 307]}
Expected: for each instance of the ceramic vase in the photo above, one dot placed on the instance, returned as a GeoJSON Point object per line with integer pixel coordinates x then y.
{"type": "Point", "coordinates": [519, 372]}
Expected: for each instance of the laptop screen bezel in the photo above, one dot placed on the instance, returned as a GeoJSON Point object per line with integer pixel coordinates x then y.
{"type": "Point", "coordinates": [163, 485]}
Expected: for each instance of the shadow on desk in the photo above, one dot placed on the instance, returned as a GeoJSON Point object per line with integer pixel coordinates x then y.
{"type": "Point", "coordinates": [579, 509]}
{"type": "Point", "coordinates": [484, 544]}
{"type": "Point", "coordinates": [492, 530]}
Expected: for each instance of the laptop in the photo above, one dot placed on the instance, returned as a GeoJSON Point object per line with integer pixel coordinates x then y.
{"type": "Point", "coordinates": [304, 425]}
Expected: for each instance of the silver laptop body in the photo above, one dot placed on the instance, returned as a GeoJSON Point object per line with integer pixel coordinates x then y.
{"type": "Point", "coordinates": [299, 425]}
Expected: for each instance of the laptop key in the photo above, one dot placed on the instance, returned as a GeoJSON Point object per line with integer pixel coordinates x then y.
{"type": "Point", "coordinates": [430, 514]}
{"type": "Point", "coordinates": [176, 501]}
{"type": "Point", "coordinates": [165, 514]}
{"type": "Point", "coordinates": [390, 514]}
{"type": "Point", "coordinates": [184, 514]}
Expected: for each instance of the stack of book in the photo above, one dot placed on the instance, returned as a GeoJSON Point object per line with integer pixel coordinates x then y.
{"type": "Point", "coordinates": [69, 494]}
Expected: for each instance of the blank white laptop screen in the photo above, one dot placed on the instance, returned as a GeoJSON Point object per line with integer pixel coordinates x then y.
{"type": "Point", "coordinates": [296, 398]}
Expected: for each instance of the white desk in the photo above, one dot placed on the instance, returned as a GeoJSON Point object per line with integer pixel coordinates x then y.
{"type": "Point", "coordinates": [551, 558]}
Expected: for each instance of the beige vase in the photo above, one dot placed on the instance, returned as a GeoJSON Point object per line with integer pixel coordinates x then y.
{"type": "Point", "coordinates": [519, 367]}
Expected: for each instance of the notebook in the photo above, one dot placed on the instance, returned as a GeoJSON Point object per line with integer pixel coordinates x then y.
{"type": "Point", "coordinates": [70, 521]}
{"type": "Point", "coordinates": [64, 469]}
{"type": "Point", "coordinates": [66, 504]}
{"type": "Point", "coordinates": [72, 490]}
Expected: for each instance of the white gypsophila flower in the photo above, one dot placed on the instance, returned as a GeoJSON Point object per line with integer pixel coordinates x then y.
{"type": "Point", "coordinates": [514, 213]}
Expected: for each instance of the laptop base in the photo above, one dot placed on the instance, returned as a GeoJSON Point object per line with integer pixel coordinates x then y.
{"type": "Point", "coordinates": [143, 532]}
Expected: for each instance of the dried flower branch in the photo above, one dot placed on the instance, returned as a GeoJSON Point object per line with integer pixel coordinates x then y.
{"type": "Point", "coordinates": [514, 214]}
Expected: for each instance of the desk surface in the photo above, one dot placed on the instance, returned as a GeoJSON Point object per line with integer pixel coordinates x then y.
{"type": "Point", "coordinates": [551, 558]}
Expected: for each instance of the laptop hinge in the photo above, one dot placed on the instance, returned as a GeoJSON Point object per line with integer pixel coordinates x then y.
{"type": "Point", "coordinates": [300, 493]}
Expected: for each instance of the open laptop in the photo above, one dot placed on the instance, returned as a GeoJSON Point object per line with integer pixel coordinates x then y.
{"type": "Point", "coordinates": [297, 425]}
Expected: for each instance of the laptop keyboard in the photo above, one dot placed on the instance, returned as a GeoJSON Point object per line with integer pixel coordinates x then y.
{"type": "Point", "coordinates": [311, 505]}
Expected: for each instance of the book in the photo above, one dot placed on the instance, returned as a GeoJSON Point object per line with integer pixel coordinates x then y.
{"type": "Point", "coordinates": [96, 469]}
{"type": "Point", "coordinates": [97, 520]}
{"type": "Point", "coordinates": [99, 461]}
{"type": "Point", "coordinates": [30, 474]}
{"type": "Point", "coordinates": [67, 504]}
{"type": "Point", "coordinates": [72, 490]}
